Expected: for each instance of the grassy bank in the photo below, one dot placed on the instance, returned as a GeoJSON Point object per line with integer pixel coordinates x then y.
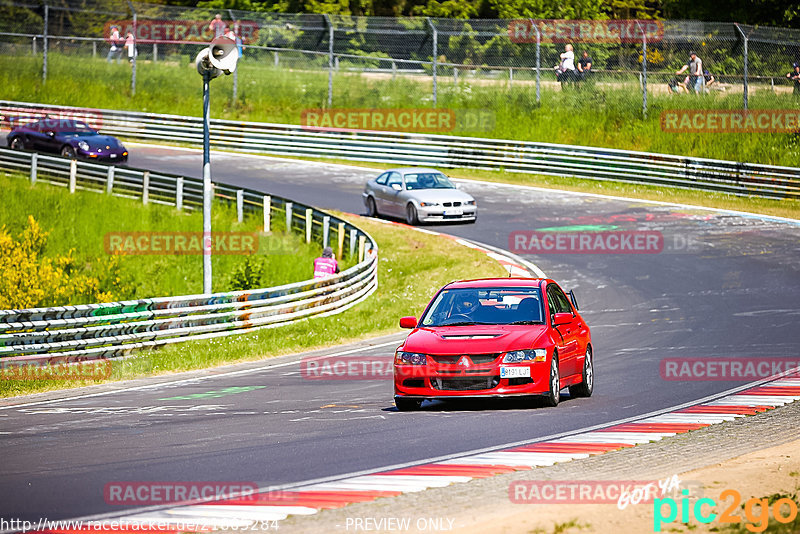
{"type": "Point", "coordinates": [606, 116]}
{"type": "Point", "coordinates": [77, 226]}
{"type": "Point", "coordinates": [412, 266]}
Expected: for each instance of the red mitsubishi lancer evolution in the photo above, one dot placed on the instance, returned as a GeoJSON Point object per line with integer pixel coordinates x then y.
{"type": "Point", "coordinates": [495, 337]}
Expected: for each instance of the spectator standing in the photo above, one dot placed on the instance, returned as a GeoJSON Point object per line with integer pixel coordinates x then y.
{"type": "Point", "coordinates": [130, 44]}
{"type": "Point", "coordinates": [217, 26]}
{"type": "Point", "coordinates": [116, 45]}
{"type": "Point", "coordinates": [585, 65]}
{"type": "Point", "coordinates": [696, 80]}
{"type": "Point", "coordinates": [326, 265]}
{"type": "Point", "coordinates": [565, 70]}
{"type": "Point", "coordinates": [794, 76]}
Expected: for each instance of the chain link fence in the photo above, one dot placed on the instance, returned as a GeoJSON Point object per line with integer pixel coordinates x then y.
{"type": "Point", "coordinates": [481, 69]}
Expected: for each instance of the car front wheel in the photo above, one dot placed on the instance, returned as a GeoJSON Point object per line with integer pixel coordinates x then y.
{"type": "Point", "coordinates": [17, 144]}
{"type": "Point", "coordinates": [554, 394]}
{"type": "Point", "coordinates": [405, 404]}
{"type": "Point", "coordinates": [585, 388]}
{"type": "Point", "coordinates": [372, 209]}
{"type": "Point", "coordinates": [411, 215]}
{"type": "Point", "coordinates": [68, 152]}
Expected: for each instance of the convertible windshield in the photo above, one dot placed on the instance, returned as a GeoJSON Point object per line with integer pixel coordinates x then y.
{"type": "Point", "coordinates": [430, 180]}
{"type": "Point", "coordinates": [496, 305]}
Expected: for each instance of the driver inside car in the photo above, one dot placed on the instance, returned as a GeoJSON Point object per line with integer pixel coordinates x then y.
{"type": "Point", "coordinates": [465, 304]}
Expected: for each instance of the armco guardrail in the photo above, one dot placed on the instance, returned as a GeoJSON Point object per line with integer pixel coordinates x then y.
{"type": "Point", "coordinates": [444, 151]}
{"type": "Point", "coordinates": [93, 331]}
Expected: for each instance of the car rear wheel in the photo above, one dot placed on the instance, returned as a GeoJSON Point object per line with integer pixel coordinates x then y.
{"type": "Point", "coordinates": [68, 152]}
{"type": "Point", "coordinates": [554, 394]}
{"type": "Point", "coordinates": [372, 209]}
{"type": "Point", "coordinates": [404, 404]}
{"type": "Point", "coordinates": [585, 388]}
{"type": "Point", "coordinates": [17, 144]}
{"type": "Point", "coordinates": [411, 215]}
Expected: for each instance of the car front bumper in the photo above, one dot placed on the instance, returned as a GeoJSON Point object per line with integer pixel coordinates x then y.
{"type": "Point", "coordinates": [432, 381]}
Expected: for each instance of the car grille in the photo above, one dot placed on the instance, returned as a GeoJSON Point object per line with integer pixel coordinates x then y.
{"type": "Point", "coordinates": [451, 204]}
{"type": "Point", "coordinates": [465, 384]}
{"type": "Point", "coordinates": [476, 359]}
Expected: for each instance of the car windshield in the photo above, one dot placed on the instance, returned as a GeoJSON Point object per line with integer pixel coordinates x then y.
{"type": "Point", "coordinates": [428, 180]}
{"type": "Point", "coordinates": [495, 305]}
{"type": "Point", "coordinates": [65, 126]}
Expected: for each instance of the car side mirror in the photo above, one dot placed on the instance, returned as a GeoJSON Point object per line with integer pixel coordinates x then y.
{"type": "Point", "coordinates": [397, 187]}
{"type": "Point", "coordinates": [408, 322]}
{"type": "Point", "coordinates": [561, 318]}
{"type": "Point", "coordinates": [573, 299]}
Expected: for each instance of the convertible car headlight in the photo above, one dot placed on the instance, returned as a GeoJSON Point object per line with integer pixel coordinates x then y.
{"type": "Point", "coordinates": [517, 356]}
{"type": "Point", "coordinates": [409, 358]}
{"type": "Point", "coordinates": [83, 145]}
{"type": "Point", "coordinates": [428, 204]}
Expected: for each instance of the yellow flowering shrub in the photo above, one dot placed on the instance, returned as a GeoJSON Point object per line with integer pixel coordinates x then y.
{"type": "Point", "coordinates": [30, 280]}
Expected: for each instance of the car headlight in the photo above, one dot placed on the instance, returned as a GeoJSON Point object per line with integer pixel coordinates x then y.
{"type": "Point", "coordinates": [517, 356]}
{"type": "Point", "coordinates": [428, 204]}
{"type": "Point", "coordinates": [83, 145]}
{"type": "Point", "coordinates": [470, 203]}
{"type": "Point", "coordinates": [409, 358]}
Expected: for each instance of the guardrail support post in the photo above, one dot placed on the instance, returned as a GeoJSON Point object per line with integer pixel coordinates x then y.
{"type": "Point", "coordinates": [326, 229]}
{"type": "Point", "coordinates": [510, 77]}
{"type": "Point", "coordinates": [34, 161]}
{"type": "Point", "coordinates": [353, 237]}
{"type": "Point", "coordinates": [276, 58]}
{"type": "Point", "coordinates": [267, 208]}
{"type": "Point", "coordinates": [309, 222]}
{"type": "Point", "coordinates": [239, 205]}
{"type": "Point", "coordinates": [179, 194]}
{"type": "Point", "coordinates": [362, 240]}
{"type": "Point", "coordinates": [340, 236]}
{"type": "Point", "coordinates": [145, 187]}
{"type": "Point", "coordinates": [110, 179]}
{"type": "Point", "coordinates": [73, 174]}
{"type": "Point", "coordinates": [288, 216]}
{"type": "Point", "coordinates": [94, 48]}
{"type": "Point", "coordinates": [155, 52]}
{"type": "Point", "coordinates": [330, 59]}
{"type": "Point", "coordinates": [744, 55]}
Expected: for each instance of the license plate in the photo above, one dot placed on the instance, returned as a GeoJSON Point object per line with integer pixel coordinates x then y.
{"type": "Point", "coordinates": [515, 372]}
{"type": "Point", "coordinates": [113, 155]}
{"type": "Point", "coordinates": [454, 212]}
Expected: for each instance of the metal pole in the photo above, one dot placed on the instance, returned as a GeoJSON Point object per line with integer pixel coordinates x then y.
{"type": "Point", "coordinates": [330, 60]}
{"type": "Point", "coordinates": [538, 61]}
{"type": "Point", "coordinates": [744, 38]}
{"type": "Point", "coordinates": [133, 62]}
{"type": "Point", "coordinates": [644, 70]}
{"type": "Point", "coordinates": [206, 189]}
{"type": "Point", "coordinates": [44, 43]}
{"type": "Point", "coordinates": [236, 72]}
{"type": "Point", "coordinates": [435, 53]}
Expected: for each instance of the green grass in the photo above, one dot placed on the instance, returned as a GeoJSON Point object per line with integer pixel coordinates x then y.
{"type": "Point", "coordinates": [80, 221]}
{"type": "Point", "coordinates": [412, 266]}
{"type": "Point", "coordinates": [606, 116]}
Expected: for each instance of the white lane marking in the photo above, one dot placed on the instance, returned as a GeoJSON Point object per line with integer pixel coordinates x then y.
{"type": "Point", "coordinates": [489, 459]}
{"type": "Point", "coordinates": [413, 480]}
{"type": "Point", "coordinates": [690, 418]}
{"type": "Point", "coordinates": [243, 511]}
{"type": "Point", "coordinates": [208, 377]}
{"type": "Point", "coordinates": [362, 486]}
{"type": "Point", "coordinates": [745, 214]}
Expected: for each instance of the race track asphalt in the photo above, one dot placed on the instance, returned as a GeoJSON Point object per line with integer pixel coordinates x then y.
{"type": "Point", "coordinates": [724, 286]}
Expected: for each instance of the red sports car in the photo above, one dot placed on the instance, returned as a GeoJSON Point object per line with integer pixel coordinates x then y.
{"type": "Point", "coordinates": [495, 337]}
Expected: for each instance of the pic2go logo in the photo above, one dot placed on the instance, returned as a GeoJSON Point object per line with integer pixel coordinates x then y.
{"type": "Point", "coordinates": [757, 511]}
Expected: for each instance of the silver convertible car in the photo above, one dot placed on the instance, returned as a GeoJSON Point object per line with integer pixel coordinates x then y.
{"type": "Point", "coordinates": [418, 195]}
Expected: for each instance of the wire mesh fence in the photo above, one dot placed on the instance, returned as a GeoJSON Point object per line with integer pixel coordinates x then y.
{"type": "Point", "coordinates": [484, 67]}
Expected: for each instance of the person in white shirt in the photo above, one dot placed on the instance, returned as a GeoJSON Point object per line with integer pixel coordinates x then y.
{"type": "Point", "coordinates": [565, 70]}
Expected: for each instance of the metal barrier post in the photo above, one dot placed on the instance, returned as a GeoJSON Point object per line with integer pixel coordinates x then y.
{"type": "Point", "coordinates": [435, 38]}
{"type": "Point", "coordinates": [239, 205]}
{"type": "Point", "coordinates": [340, 236]}
{"type": "Point", "coordinates": [73, 174]}
{"type": "Point", "coordinates": [44, 43]}
{"type": "Point", "coordinates": [34, 162]}
{"type": "Point", "coordinates": [155, 52]}
{"type": "Point", "coordinates": [179, 194]}
{"type": "Point", "coordinates": [288, 216]}
{"type": "Point", "coordinates": [362, 240]}
{"type": "Point", "coordinates": [94, 49]}
{"type": "Point", "coordinates": [145, 187]}
{"type": "Point", "coordinates": [133, 59]}
{"type": "Point", "coordinates": [644, 70]}
{"type": "Point", "coordinates": [744, 54]}
{"type": "Point", "coordinates": [110, 179]}
{"type": "Point", "coordinates": [330, 59]}
{"type": "Point", "coordinates": [353, 237]}
{"type": "Point", "coordinates": [267, 207]}
{"type": "Point", "coordinates": [276, 58]}
{"type": "Point", "coordinates": [326, 228]}
{"type": "Point", "coordinates": [309, 222]}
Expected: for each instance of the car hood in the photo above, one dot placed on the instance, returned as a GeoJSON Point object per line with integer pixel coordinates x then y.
{"type": "Point", "coordinates": [439, 195]}
{"type": "Point", "coordinates": [96, 141]}
{"type": "Point", "coordinates": [479, 339]}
